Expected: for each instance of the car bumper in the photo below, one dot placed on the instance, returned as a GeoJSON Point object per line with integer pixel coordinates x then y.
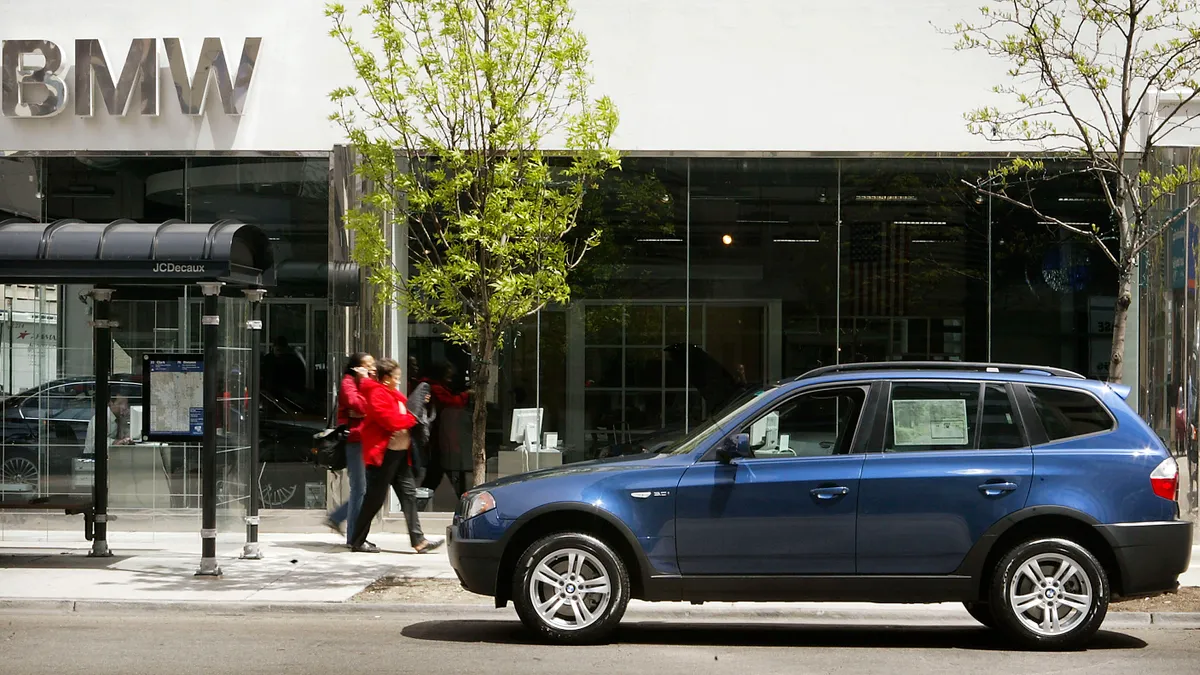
{"type": "Point", "coordinates": [1151, 556]}
{"type": "Point", "coordinates": [474, 561]}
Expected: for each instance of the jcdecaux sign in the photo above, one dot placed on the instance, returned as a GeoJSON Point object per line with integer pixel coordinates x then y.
{"type": "Point", "coordinates": [37, 82]}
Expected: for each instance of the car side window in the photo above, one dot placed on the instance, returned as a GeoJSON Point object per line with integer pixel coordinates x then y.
{"type": "Point", "coordinates": [50, 403]}
{"type": "Point", "coordinates": [1067, 414]}
{"type": "Point", "coordinates": [925, 416]}
{"type": "Point", "coordinates": [931, 416]}
{"type": "Point", "coordinates": [814, 424]}
{"type": "Point", "coordinates": [999, 428]}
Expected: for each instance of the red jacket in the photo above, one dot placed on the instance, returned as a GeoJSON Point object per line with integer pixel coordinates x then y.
{"type": "Point", "coordinates": [387, 413]}
{"type": "Point", "coordinates": [352, 407]}
{"type": "Point", "coordinates": [445, 398]}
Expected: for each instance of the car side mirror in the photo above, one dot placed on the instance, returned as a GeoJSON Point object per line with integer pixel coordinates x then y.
{"type": "Point", "coordinates": [733, 448]}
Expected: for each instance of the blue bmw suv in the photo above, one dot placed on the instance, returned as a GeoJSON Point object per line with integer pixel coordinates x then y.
{"type": "Point", "coordinates": [1030, 494]}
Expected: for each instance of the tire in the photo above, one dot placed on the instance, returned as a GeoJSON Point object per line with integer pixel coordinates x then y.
{"type": "Point", "coordinates": [552, 605]}
{"type": "Point", "coordinates": [981, 612]}
{"type": "Point", "coordinates": [1053, 578]}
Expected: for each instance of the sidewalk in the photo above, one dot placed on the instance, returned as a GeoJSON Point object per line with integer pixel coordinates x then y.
{"type": "Point", "coordinates": [314, 572]}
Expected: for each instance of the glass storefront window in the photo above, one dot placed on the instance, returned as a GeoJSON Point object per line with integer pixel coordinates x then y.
{"type": "Point", "coordinates": [45, 430]}
{"type": "Point", "coordinates": [717, 276]}
{"type": "Point", "coordinates": [913, 261]}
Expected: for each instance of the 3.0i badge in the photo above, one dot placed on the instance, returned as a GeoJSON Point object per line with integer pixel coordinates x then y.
{"type": "Point", "coordinates": [646, 494]}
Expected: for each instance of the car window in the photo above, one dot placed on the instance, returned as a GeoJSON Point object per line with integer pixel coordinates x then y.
{"type": "Point", "coordinates": [999, 429]}
{"type": "Point", "coordinates": [924, 416]}
{"type": "Point", "coordinates": [930, 416]}
{"type": "Point", "coordinates": [1067, 413]}
{"type": "Point", "coordinates": [813, 424]}
{"type": "Point", "coordinates": [52, 402]}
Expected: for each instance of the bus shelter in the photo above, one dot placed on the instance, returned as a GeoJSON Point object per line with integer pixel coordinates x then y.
{"type": "Point", "coordinates": [201, 397]}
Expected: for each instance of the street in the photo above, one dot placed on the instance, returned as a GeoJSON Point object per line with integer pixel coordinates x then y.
{"type": "Point", "coordinates": [494, 642]}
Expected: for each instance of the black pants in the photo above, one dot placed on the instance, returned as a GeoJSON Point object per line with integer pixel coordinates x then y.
{"type": "Point", "coordinates": [398, 475]}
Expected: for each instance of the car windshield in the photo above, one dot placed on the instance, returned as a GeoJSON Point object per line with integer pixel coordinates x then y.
{"type": "Point", "coordinates": [718, 419]}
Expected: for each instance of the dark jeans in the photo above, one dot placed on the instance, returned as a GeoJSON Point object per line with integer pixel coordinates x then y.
{"type": "Point", "coordinates": [357, 475]}
{"type": "Point", "coordinates": [398, 475]}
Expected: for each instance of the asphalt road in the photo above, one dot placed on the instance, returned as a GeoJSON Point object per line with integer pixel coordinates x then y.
{"type": "Point", "coordinates": [180, 643]}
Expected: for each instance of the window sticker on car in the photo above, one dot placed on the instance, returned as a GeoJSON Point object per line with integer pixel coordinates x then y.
{"type": "Point", "coordinates": [929, 422]}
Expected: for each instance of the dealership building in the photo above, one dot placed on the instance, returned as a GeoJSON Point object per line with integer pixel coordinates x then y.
{"type": "Point", "coordinates": [793, 193]}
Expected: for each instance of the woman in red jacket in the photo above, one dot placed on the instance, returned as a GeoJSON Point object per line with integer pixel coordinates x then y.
{"type": "Point", "coordinates": [352, 411]}
{"type": "Point", "coordinates": [387, 414]}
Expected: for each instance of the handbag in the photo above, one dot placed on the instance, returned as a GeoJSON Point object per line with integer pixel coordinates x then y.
{"type": "Point", "coordinates": [329, 447]}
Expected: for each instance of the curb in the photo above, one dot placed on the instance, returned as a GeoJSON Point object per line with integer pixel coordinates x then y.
{"type": "Point", "coordinates": [665, 612]}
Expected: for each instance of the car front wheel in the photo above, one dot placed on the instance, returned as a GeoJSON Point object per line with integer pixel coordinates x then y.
{"type": "Point", "coordinates": [571, 588]}
{"type": "Point", "coordinates": [1049, 594]}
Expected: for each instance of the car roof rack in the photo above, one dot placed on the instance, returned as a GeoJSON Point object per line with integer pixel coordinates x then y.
{"type": "Point", "coordinates": [943, 365]}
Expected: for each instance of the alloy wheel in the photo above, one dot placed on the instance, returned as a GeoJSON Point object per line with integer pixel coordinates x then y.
{"type": "Point", "coordinates": [1050, 594]}
{"type": "Point", "coordinates": [570, 589]}
{"type": "Point", "coordinates": [19, 471]}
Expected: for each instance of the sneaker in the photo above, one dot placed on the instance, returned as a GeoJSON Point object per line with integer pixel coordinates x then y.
{"type": "Point", "coordinates": [367, 547]}
{"type": "Point", "coordinates": [333, 525]}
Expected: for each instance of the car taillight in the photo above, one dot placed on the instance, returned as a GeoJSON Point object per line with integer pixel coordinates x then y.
{"type": "Point", "coordinates": [1164, 480]}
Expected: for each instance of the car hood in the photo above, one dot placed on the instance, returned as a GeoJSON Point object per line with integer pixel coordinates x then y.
{"type": "Point", "coordinates": [621, 463]}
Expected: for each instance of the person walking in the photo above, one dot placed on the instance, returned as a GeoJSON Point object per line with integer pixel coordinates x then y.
{"type": "Point", "coordinates": [352, 412]}
{"type": "Point", "coordinates": [387, 452]}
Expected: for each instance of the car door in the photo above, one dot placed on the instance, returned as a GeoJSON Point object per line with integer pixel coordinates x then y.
{"type": "Point", "coordinates": [949, 469]}
{"type": "Point", "coordinates": [789, 509]}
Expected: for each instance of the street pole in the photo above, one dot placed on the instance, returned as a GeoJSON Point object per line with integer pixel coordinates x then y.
{"type": "Point", "coordinates": [102, 362]}
{"type": "Point", "coordinates": [251, 550]}
{"type": "Point", "coordinates": [12, 345]}
{"type": "Point", "coordinates": [211, 329]}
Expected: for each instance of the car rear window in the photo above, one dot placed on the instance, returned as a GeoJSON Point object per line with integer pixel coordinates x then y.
{"type": "Point", "coordinates": [1067, 413]}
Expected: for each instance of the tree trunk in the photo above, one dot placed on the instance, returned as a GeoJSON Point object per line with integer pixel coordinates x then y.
{"type": "Point", "coordinates": [480, 379]}
{"type": "Point", "coordinates": [1116, 363]}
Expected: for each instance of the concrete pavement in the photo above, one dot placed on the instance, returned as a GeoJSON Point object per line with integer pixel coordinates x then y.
{"type": "Point", "coordinates": [315, 573]}
{"type": "Point", "coordinates": [473, 643]}
{"type": "Point", "coordinates": [159, 567]}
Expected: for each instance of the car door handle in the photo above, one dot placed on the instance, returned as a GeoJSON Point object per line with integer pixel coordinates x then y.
{"type": "Point", "coordinates": [830, 492]}
{"type": "Point", "coordinates": [998, 488]}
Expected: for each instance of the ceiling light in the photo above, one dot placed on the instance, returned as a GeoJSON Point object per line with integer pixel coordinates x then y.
{"type": "Point", "coordinates": [1080, 199]}
{"type": "Point", "coordinates": [660, 240]}
{"type": "Point", "coordinates": [797, 241]}
{"type": "Point", "coordinates": [920, 222]}
{"type": "Point", "coordinates": [885, 198]}
{"type": "Point", "coordinates": [727, 239]}
{"type": "Point", "coordinates": [772, 222]}
{"type": "Point", "coordinates": [1055, 222]}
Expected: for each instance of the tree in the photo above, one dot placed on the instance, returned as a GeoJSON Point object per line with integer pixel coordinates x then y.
{"type": "Point", "coordinates": [454, 104]}
{"type": "Point", "coordinates": [1084, 74]}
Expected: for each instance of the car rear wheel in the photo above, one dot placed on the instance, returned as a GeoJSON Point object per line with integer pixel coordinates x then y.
{"type": "Point", "coordinates": [981, 612]}
{"type": "Point", "coordinates": [571, 588]}
{"type": "Point", "coordinates": [1049, 594]}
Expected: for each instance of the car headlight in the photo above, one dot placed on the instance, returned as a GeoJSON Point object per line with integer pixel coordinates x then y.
{"type": "Point", "coordinates": [479, 504]}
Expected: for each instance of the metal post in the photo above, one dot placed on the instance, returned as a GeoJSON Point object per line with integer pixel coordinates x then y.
{"type": "Point", "coordinates": [102, 361]}
{"type": "Point", "coordinates": [210, 323]}
{"type": "Point", "coordinates": [251, 550]}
